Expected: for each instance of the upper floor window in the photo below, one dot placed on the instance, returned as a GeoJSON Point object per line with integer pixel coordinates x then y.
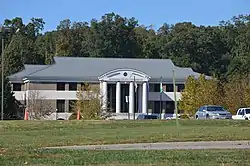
{"type": "Point", "coordinates": [17, 87]}
{"type": "Point", "coordinates": [169, 88]}
{"type": "Point", "coordinates": [151, 87]}
{"type": "Point", "coordinates": [72, 86]}
{"type": "Point", "coordinates": [157, 87]}
{"type": "Point", "coordinates": [154, 87]}
{"type": "Point", "coordinates": [180, 87]}
{"type": "Point", "coordinates": [60, 86]}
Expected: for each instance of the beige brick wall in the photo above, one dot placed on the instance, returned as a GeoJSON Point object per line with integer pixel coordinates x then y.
{"type": "Point", "coordinates": [40, 86]}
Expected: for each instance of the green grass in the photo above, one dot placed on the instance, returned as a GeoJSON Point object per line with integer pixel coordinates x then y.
{"type": "Point", "coordinates": [20, 139]}
{"type": "Point", "coordinates": [161, 157]}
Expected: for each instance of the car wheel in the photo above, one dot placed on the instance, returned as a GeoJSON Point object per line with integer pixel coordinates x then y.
{"type": "Point", "coordinates": [196, 117]}
{"type": "Point", "coordinates": [207, 116]}
{"type": "Point", "coordinates": [246, 119]}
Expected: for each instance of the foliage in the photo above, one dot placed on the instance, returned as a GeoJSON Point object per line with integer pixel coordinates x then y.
{"type": "Point", "coordinates": [188, 102]}
{"type": "Point", "coordinates": [184, 116]}
{"type": "Point", "coordinates": [38, 107]}
{"type": "Point", "coordinates": [73, 116]}
{"type": "Point", "coordinates": [237, 94]}
{"type": "Point", "coordinates": [89, 102]}
{"type": "Point", "coordinates": [221, 50]}
{"type": "Point", "coordinates": [12, 108]}
{"type": "Point", "coordinates": [200, 92]}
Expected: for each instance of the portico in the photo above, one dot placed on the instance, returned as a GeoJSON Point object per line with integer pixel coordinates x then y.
{"type": "Point", "coordinates": [131, 80]}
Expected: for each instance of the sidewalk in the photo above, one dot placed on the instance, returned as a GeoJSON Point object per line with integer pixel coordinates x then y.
{"type": "Point", "coordinates": [164, 146]}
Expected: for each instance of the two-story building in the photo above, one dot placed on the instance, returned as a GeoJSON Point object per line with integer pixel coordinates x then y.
{"type": "Point", "coordinates": [116, 77]}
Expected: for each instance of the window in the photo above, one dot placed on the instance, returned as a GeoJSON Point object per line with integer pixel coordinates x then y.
{"type": "Point", "coordinates": [247, 110]}
{"type": "Point", "coordinates": [180, 87]}
{"type": "Point", "coordinates": [60, 105]}
{"type": "Point", "coordinates": [71, 105]}
{"type": "Point", "coordinates": [169, 88]}
{"type": "Point", "coordinates": [60, 86]}
{"type": "Point", "coordinates": [170, 107]}
{"type": "Point", "coordinates": [215, 108]}
{"type": "Point", "coordinates": [240, 112]}
{"type": "Point", "coordinates": [72, 86]}
{"type": "Point", "coordinates": [156, 87]}
{"type": "Point", "coordinates": [151, 87]}
{"type": "Point", "coordinates": [17, 87]}
{"type": "Point", "coordinates": [201, 109]}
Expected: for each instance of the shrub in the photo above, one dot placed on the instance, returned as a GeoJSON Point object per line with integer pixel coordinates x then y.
{"type": "Point", "coordinates": [73, 116]}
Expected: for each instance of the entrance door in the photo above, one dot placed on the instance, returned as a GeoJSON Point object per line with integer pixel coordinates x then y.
{"type": "Point", "coordinates": [124, 93]}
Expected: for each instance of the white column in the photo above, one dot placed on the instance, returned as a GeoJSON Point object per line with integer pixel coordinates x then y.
{"type": "Point", "coordinates": [118, 98]}
{"type": "Point", "coordinates": [144, 98]}
{"type": "Point", "coordinates": [104, 95]}
{"type": "Point", "coordinates": [131, 97]}
{"type": "Point", "coordinates": [140, 98]}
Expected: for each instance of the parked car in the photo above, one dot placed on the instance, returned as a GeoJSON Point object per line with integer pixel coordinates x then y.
{"type": "Point", "coordinates": [242, 114]}
{"type": "Point", "coordinates": [145, 116]}
{"type": "Point", "coordinates": [212, 112]}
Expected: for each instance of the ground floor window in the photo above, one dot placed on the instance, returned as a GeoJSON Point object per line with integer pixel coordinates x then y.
{"type": "Point", "coordinates": [60, 105]}
{"type": "Point", "coordinates": [166, 106]}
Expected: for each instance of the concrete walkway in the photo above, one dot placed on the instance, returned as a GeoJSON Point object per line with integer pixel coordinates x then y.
{"type": "Point", "coordinates": [164, 146]}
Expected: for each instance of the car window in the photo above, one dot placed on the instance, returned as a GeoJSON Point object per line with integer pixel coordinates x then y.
{"type": "Point", "coordinates": [215, 108]}
{"type": "Point", "coordinates": [201, 109]}
{"type": "Point", "coordinates": [247, 111]}
{"type": "Point", "coordinates": [240, 112]}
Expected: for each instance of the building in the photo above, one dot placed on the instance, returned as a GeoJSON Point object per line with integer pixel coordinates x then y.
{"type": "Point", "coordinates": [116, 77]}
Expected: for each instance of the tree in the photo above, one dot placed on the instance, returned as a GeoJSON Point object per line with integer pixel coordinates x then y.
{"type": "Point", "coordinates": [89, 103]}
{"type": "Point", "coordinates": [188, 102]}
{"type": "Point", "coordinates": [237, 94]}
{"type": "Point", "coordinates": [11, 106]}
{"type": "Point", "coordinates": [38, 106]}
{"type": "Point", "coordinates": [13, 61]}
{"type": "Point", "coordinates": [200, 92]}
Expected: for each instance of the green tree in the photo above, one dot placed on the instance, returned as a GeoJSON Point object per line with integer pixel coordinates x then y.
{"type": "Point", "coordinates": [11, 106]}
{"type": "Point", "coordinates": [237, 94]}
{"type": "Point", "coordinates": [200, 92]}
{"type": "Point", "coordinates": [188, 102]}
{"type": "Point", "coordinates": [89, 103]}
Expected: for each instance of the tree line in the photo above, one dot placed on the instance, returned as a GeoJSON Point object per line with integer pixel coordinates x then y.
{"type": "Point", "coordinates": [222, 51]}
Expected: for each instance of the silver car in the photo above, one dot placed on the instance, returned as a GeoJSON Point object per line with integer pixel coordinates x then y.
{"type": "Point", "coordinates": [212, 112]}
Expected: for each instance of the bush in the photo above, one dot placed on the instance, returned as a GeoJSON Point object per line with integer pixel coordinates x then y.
{"type": "Point", "coordinates": [184, 116]}
{"type": "Point", "coordinates": [73, 116]}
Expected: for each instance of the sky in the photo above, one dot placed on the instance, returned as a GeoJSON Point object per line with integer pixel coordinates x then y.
{"type": "Point", "coordinates": [147, 12]}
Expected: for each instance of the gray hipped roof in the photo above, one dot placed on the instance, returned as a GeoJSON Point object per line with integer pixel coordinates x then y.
{"type": "Point", "coordinates": [89, 69]}
{"type": "Point", "coordinates": [28, 70]}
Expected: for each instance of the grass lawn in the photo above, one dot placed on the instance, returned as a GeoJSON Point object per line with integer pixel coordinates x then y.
{"type": "Point", "coordinates": [128, 158]}
{"type": "Point", "coordinates": [20, 139]}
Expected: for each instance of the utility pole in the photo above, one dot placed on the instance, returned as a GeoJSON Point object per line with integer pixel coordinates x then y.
{"type": "Point", "coordinates": [175, 100]}
{"type": "Point", "coordinates": [135, 90]}
{"type": "Point", "coordinates": [2, 82]}
{"type": "Point", "coordinates": [161, 90]}
{"type": "Point", "coordinates": [2, 72]}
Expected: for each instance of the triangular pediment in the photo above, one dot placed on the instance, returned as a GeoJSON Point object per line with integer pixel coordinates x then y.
{"type": "Point", "coordinates": [124, 75]}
